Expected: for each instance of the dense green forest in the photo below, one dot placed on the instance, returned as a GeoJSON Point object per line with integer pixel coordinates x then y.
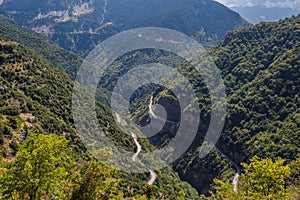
{"type": "Point", "coordinates": [260, 66]}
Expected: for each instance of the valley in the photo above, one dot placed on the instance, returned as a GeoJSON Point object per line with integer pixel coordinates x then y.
{"type": "Point", "coordinates": [42, 46]}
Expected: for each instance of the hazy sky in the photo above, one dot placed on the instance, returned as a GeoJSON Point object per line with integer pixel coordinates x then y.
{"type": "Point", "coordinates": [295, 4]}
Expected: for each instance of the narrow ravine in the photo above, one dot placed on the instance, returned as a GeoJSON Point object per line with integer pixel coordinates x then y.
{"type": "Point", "coordinates": [237, 168]}
{"type": "Point", "coordinates": [151, 113]}
{"type": "Point", "coordinates": [153, 174]}
{"type": "Point", "coordinates": [235, 180]}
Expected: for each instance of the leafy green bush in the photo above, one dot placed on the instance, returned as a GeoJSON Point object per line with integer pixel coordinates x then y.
{"type": "Point", "coordinates": [261, 179]}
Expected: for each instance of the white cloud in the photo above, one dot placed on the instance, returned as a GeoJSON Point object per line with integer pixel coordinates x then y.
{"type": "Point", "coordinates": [249, 4]}
{"type": "Point", "coordinates": [262, 17]}
{"type": "Point", "coordinates": [280, 4]}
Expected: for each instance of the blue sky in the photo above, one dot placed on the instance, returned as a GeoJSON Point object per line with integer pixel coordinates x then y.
{"type": "Point", "coordinates": [294, 4]}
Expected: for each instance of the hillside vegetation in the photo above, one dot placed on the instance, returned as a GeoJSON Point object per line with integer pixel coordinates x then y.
{"type": "Point", "coordinates": [260, 66]}
{"type": "Point", "coordinates": [36, 99]}
{"type": "Point", "coordinates": [65, 60]}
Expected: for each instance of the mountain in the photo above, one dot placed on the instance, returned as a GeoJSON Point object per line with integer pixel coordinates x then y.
{"type": "Point", "coordinates": [262, 72]}
{"type": "Point", "coordinates": [80, 25]}
{"type": "Point", "coordinates": [260, 68]}
{"type": "Point", "coordinates": [65, 60]}
{"type": "Point", "coordinates": [36, 98]}
{"type": "Point", "coordinates": [261, 13]}
{"type": "Point", "coordinates": [33, 90]}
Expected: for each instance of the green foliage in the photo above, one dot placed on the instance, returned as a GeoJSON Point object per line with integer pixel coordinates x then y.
{"type": "Point", "coordinates": [261, 179]}
{"type": "Point", "coordinates": [294, 179]}
{"type": "Point", "coordinates": [45, 168]}
{"type": "Point", "coordinates": [14, 122]}
{"type": "Point", "coordinates": [96, 182]}
{"type": "Point", "coordinates": [14, 145]}
{"type": "Point", "coordinates": [41, 166]}
{"type": "Point", "coordinates": [295, 172]}
{"type": "Point", "coordinates": [1, 136]}
{"type": "Point", "coordinates": [36, 87]}
{"type": "Point", "coordinates": [42, 90]}
{"type": "Point", "coordinates": [224, 190]}
{"type": "Point", "coordinates": [265, 178]}
{"type": "Point", "coordinates": [5, 130]}
{"type": "Point", "coordinates": [264, 104]}
{"type": "Point", "coordinates": [65, 60]}
{"type": "Point", "coordinates": [260, 68]}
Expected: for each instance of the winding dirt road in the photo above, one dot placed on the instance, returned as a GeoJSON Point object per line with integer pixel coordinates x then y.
{"type": "Point", "coordinates": [138, 145]}
{"type": "Point", "coordinates": [153, 174]}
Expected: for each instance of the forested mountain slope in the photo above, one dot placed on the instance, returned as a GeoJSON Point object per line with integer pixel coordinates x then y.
{"type": "Point", "coordinates": [65, 60]}
{"type": "Point", "coordinates": [260, 67]}
{"type": "Point", "coordinates": [36, 98]}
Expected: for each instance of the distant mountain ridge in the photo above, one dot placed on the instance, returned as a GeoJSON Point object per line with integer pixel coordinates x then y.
{"type": "Point", "coordinates": [81, 24]}
{"type": "Point", "coordinates": [261, 13]}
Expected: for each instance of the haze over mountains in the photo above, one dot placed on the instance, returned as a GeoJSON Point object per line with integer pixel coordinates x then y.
{"type": "Point", "coordinates": [79, 25]}
{"type": "Point", "coordinates": [256, 11]}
